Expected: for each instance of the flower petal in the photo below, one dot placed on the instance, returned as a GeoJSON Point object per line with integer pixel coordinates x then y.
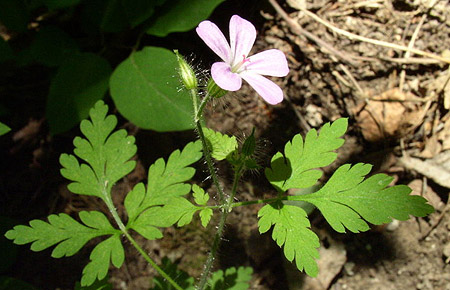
{"type": "Point", "coordinates": [242, 38]}
{"type": "Point", "coordinates": [268, 90]}
{"type": "Point", "coordinates": [270, 62]}
{"type": "Point", "coordinates": [214, 39]}
{"type": "Point", "coordinates": [224, 78]}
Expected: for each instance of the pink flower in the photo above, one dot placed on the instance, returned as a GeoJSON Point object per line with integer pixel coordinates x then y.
{"type": "Point", "coordinates": [238, 65]}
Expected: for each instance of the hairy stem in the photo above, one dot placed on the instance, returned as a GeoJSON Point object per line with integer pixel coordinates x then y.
{"type": "Point", "coordinates": [206, 152]}
{"type": "Point", "coordinates": [122, 227]}
{"type": "Point", "coordinates": [220, 229]}
{"type": "Point", "coordinates": [225, 203]}
{"type": "Point", "coordinates": [199, 113]}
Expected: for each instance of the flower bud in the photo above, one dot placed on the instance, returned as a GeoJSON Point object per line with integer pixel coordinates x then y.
{"type": "Point", "coordinates": [186, 72]}
{"type": "Point", "coordinates": [214, 90]}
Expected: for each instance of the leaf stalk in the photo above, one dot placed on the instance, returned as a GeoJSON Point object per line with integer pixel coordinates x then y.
{"type": "Point", "coordinates": [122, 227]}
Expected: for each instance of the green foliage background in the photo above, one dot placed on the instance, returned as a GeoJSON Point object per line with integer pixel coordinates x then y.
{"type": "Point", "coordinates": [91, 46]}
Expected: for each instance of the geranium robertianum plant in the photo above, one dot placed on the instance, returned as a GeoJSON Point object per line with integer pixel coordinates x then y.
{"type": "Point", "coordinates": [348, 201]}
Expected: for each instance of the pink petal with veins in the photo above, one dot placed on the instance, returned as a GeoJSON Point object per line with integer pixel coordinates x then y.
{"type": "Point", "coordinates": [214, 39]}
{"type": "Point", "coordinates": [224, 78]}
{"type": "Point", "coordinates": [268, 90]}
{"type": "Point", "coordinates": [270, 62]}
{"type": "Point", "coordinates": [242, 38]}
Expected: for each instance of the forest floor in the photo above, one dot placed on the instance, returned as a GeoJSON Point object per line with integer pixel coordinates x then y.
{"type": "Point", "coordinates": [348, 59]}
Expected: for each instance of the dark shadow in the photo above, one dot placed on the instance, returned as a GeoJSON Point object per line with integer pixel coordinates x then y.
{"type": "Point", "coordinates": [257, 251]}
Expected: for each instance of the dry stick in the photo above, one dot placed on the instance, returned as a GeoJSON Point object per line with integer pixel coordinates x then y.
{"type": "Point", "coordinates": [353, 80]}
{"type": "Point", "coordinates": [297, 29]}
{"type": "Point", "coordinates": [411, 60]}
{"type": "Point", "coordinates": [408, 53]}
{"type": "Point", "coordinates": [302, 122]}
{"type": "Point", "coordinates": [362, 38]}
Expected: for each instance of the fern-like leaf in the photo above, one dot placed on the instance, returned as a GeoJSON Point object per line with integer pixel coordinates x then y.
{"type": "Point", "coordinates": [291, 230]}
{"type": "Point", "coordinates": [106, 159]}
{"type": "Point", "coordinates": [166, 186]}
{"type": "Point", "coordinates": [106, 155]}
{"type": "Point", "coordinates": [346, 201]}
{"type": "Point", "coordinates": [295, 169]}
{"type": "Point", "coordinates": [62, 230]}
{"type": "Point", "coordinates": [106, 252]}
{"type": "Point", "coordinates": [221, 145]}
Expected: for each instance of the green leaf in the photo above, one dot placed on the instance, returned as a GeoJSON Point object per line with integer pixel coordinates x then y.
{"type": "Point", "coordinates": [205, 216]}
{"type": "Point", "coordinates": [51, 46]}
{"type": "Point", "coordinates": [4, 129]}
{"type": "Point", "coordinates": [176, 210]}
{"type": "Point", "coordinates": [145, 91]}
{"type": "Point", "coordinates": [231, 279]}
{"type": "Point", "coordinates": [116, 15]}
{"type": "Point", "coordinates": [81, 81]}
{"type": "Point", "coordinates": [167, 180]}
{"type": "Point", "coordinates": [166, 185]}
{"type": "Point", "coordinates": [179, 210]}
{"type": "Point", "coordinates": [110, 250]}
{"type": "Point", "coordinates": [97, 285]}
{"type": "Point", "coordinates": [107, 155]}
{"type": "Point", "coordinates": [69, 235]}
{"type": "Point", "coordinates": [346, 201]}
{"type": "Point", "coordinates": [306, 206]}
{"type": "Point", "coordinates": [291, 229]}
{"type": "Point", "coordinates": [180, 15]}
{"type": "Point", "coordinates": [296, 168]}
{"type": "Point", "coordinates": [58, 4]}
{"type": "Point", "coordinates": [221, 145]}
{"type": "Point", "coordinates": [139, 10]}
{"type": "Point", "coordinates": [119, 15]}
{"type": "Point", "coordinates": [200, 197]}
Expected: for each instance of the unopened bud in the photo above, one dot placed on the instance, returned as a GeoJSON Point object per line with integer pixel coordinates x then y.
{"type": "Point", "coordinates": [186, 72]}
{"type": "Point", "coordinates": [214, 90]}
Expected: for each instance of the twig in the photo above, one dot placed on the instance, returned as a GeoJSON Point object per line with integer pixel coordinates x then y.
{"type": "Point", "coordinates": [366, 39]}
{"type": "Point", "coordinates": [297, 29]}
{"type": "Point", "coordinates": [302, 122]}
{"type": "Point", "coordinates": [408, 53]}
{"type": "Point", "coordinates": [352, 79]}
{"type": "Point", "coordinates": [411, 60]}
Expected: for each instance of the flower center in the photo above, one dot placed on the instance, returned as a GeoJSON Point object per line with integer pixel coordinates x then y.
{"type": "Point", "coordinates": [240, 66]}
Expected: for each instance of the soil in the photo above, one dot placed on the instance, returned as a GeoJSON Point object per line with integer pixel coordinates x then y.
{"type": "Point", "coordinates": [395, 104]}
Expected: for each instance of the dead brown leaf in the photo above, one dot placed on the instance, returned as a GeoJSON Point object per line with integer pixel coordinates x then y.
{"type": "Point", "coordinates": [387, 116]}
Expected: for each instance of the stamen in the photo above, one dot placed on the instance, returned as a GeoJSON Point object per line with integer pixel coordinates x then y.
{"type": "Point", "coordinates": [245, 59]}
{"type": "Point", "coordinates": [238, 66]}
